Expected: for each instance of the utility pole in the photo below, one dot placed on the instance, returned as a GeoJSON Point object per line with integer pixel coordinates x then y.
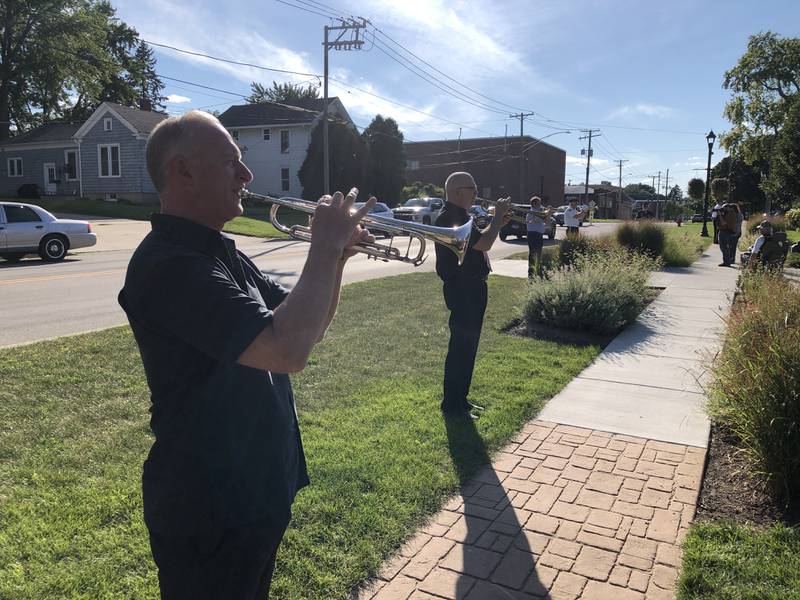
{"type": "Point", "coordinates": [619, 193]}
{"type": "Point", "coordinates": [521, 117]}
{"type": "Point", "coordinates": [658, 192]}
{"type": "Point", "coordinates": [590, 133]}
{"type": "Point", "coordinates": [666, 193]}
{"type": "Point", "coordinates": [353, 27]}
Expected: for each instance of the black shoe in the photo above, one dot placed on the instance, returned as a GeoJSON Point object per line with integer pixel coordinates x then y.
{"type": "Point", "coordinates": [723, 265]}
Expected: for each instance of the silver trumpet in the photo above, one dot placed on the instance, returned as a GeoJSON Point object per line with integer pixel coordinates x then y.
{"type": "Point", "coordinates": [456, 239]}
{"type": "Point", "coordinates": [516, 212]}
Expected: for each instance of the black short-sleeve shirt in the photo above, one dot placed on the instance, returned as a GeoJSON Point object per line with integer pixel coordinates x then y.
{"type": "Point", "coordinates": [227, 448]}
{"type": "Point", "coordinates": [475, 265]}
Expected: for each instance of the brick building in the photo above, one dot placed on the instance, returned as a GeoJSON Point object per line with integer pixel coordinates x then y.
{"type": "Point", "coordinates": [495, 165]}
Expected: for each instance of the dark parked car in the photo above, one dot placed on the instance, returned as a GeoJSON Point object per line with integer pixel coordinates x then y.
{"type": "Point", "coordinates": [482, 218]}
{"type": "Point", "coordinates": [697, 218]}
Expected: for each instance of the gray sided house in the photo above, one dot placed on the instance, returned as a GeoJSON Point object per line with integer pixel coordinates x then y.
{"type": "Point", "coordinates": [102, 158]}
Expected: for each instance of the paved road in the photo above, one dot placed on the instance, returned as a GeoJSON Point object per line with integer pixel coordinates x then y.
{"type": "Point", "coordinates": [41, 300]}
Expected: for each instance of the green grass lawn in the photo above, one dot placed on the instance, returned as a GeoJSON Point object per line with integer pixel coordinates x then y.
{"type": "Point", "coordinates": [254, 222]}
{"type": "Point", "coordinates": [732, 562]}
{"type": "Point", "coordinates": [74, 414]}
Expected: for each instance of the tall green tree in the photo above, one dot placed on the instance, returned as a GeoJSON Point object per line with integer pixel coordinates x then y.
{"type": "Point", "coordinates": [422, 190]}
{"type": "Point", "coordinates": [348, 161]}
{"type": "Point", "coordinates": [675, 194]}
{"type": "Point", "coordinates": [639, 189]}
{"type": "Point", "coordinates": [285, 93]}
{"type": "Point", "coordinates": [763, 82]}
{"type": "Point", "coordinates": [386, 166]}
{"type": "Point", "coordinates": [745, 181]}
{"type": "Point", "coordinates": [783, 184]}
{"type": "Point", "coordinates": [60, 58]}
{"type": "Point", "coordinates": [697, 189]}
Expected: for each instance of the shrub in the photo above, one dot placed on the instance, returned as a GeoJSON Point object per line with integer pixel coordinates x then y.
{"type": "Point", "coordinates": [570, 248]}
{"type": "Point", "coordinates": [28, 190]}
{"type": "Point", "coordinates": [793, 218]}
{"type": "Point", "coordinates": [644, 236]}
{"type": "Point", "coordinates": [696, 188]}
{"type": "Point", "coordinates": [747, 240]}
{"type": "Point", "coordinates": [778, 223]}
{"type": "Point", "coordinates": [756, 380]}
{"type": "Point", "coordinates": [681, 253]}
{"type": "Point", "coordinates": [599, 293]}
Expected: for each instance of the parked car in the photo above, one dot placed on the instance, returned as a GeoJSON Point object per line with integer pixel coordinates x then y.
{"type": "Point", "coordinates": [521, 229]}
{"type": "Point", "coordinates": [30, 229]}
{"type": "Point", "coordinates": [379, 210]}
{"type": "Point", "coordinates": [479, 214]}
{"type": "Point", "coordinates": [697, 218]}
{"type": "Point", "coordinates": [420, 210]}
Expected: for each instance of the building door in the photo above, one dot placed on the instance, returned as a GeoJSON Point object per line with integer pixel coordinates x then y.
{"type": "Point", "coordinates": [50, 179]}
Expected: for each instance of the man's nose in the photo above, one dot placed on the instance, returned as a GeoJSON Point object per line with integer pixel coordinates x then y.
{"type": "Point", "coordinates": [246, 174]}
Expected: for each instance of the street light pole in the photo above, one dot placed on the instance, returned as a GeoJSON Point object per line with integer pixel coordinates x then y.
{"type": "Point", "coordinates": [710, 139]}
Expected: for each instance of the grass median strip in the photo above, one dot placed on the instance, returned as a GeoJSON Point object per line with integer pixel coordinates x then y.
{"type": "Point", "coordinates": [75, 433]}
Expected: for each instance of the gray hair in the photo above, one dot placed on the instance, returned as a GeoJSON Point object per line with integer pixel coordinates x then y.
{"type": "Point", "coordinates": [167, 138]}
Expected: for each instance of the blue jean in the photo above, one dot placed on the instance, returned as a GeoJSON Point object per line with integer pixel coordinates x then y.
{"type": "Point", "coordinates": [727, 243]}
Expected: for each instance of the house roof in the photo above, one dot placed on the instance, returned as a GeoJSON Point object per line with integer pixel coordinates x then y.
{"type": "Point", "coordinates": [267, 113]}
{"type": "Point", "coordinates": [50, 132]}
{"type": "Point", "coordinates": [144, 121]}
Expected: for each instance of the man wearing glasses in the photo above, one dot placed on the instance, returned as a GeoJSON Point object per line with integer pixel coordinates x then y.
{"type": "Point", "coordinates": [465, 290]}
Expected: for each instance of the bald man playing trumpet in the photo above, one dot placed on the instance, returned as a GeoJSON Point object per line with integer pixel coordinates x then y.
{"type": "Point", "coordinates": [465, 290]}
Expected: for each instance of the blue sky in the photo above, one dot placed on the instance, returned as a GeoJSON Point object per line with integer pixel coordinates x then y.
{"type": "Point", "coordinates": [648, 75]}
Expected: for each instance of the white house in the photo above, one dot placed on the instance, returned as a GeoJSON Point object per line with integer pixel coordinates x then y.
{"type": "Point", "coordinates": [274, 139]}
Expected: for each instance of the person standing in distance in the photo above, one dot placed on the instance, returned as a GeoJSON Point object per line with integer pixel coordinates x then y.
{"type": "Point", "coordinates": [465, 289]}
{"type": "Point", "coordinates": [217, 339]}
{"type": "Point", "coordinates": [572, 218]}
{"type": "Point", "coordinates": [536, 221]}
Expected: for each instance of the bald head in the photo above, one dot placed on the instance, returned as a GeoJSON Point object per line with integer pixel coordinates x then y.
{"type": "Point", "coordinates": [177, 135]}
{"type": "Point", "coordinates": [460, 189]}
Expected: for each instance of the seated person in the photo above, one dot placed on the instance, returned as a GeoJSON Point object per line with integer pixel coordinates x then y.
{"type": "Point", "coordinates": [771, 247]}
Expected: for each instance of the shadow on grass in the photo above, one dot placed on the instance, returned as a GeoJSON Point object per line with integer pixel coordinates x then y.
{"type": "Point", "coordinates": [496, 555]}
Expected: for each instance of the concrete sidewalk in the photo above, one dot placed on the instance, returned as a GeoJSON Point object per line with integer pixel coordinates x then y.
{"type": "Point", "coordinates": [592, 499]}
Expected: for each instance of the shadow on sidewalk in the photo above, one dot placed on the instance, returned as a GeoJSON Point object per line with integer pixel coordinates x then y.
{"type": "Point", "coordinates": [497, 558]}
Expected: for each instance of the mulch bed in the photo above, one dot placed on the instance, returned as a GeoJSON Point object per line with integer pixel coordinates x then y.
{"type": "Point", "coordinates": [732, 491]}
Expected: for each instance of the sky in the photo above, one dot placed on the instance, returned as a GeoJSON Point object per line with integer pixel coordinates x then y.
{"type": "Point", "coordinates": [647, 75]}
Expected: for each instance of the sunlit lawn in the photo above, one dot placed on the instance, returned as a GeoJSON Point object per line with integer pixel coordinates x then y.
{"type": "Point", "coordinates": [74, 434]}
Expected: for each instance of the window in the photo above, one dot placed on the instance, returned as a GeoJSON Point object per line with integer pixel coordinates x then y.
{"type": "Point", "coordinates": [70, 164]}
{"type": "Point", "coordinates": [284, 141]}
{"type": "Point", "coordinates": [413, 165]}
{"type": "Point", "coordinates": [15, 167]}
{"type": "Point", "coordinates": [107, 124]}
{"type": "Point", "coordinates": [108, 160]}
{"type": "Point", "coordinates": [285, 180]}
{"type": "Point", "coordinates": [235, 134]}
{"type": "Point", "coordinates": [266, 135]}
{"type": "Point", "coordinates": [20, 214]}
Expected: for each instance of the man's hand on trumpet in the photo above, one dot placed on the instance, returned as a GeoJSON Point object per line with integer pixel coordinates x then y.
{"type": "Point", "coordinates": [501, 210]}
{"type": "Point", "coordinates": [335, 227]}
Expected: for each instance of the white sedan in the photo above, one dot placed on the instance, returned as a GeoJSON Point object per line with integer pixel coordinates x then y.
{"type": "Point", "coordinates": [379, 210]}
{"type": "Point", "coordinates": [30, 229]}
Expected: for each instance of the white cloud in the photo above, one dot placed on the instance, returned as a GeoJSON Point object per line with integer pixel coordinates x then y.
{"type": "Point", "coordinates": [177, 99]}
{"type": "Point", "coordinates": [648, 110]}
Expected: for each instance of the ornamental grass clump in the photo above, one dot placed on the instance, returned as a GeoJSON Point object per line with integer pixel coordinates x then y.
{"type": "Point", "coordinates": [598, 293]}
{"type": "Point", "coordinates": [756, 385]}
{"type": "Point", "coordinates": [643, 236]}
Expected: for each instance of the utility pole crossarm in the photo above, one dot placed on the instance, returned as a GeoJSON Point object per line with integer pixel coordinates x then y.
{"type": "Point", "coordinates": [354, 27]}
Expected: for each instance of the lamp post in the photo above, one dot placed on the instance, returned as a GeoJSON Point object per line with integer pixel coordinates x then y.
{"type": "Point", "coordinates": [710, 139]}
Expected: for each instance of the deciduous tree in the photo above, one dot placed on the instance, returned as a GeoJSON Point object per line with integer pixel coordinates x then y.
{"type": "Point", "coordinates": [386, 165]}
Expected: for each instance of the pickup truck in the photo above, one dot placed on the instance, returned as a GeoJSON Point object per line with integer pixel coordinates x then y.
{"type": "Point", "coordinates": [419, 210]}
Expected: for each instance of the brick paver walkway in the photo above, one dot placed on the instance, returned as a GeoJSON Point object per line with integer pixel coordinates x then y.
{"type": "Point", "coordinates": [563, 513]}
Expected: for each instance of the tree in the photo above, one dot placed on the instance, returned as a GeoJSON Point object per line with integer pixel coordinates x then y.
{"type": "Point", "coordinates": [784, 181]}
{"type": "Point", "coordinates": [719, 189]}
{"type": "Point", "coordinates": [58, 56]}
{"type": "Point", "coordinates": [386, 166]}
{"type": "Point", "coordinates": [422, 190]}
{"type": "Point", "coordinates": [763, 82]}
{"type": "Point", "coordinates": [675, 195]}
{"type": "Point", "coordinates": [639, 189]}
{"type": "Point", "coordinates": [697, 189]}
{"type": "Point", "coordinates": [745, 182]}
{"type": "Point", "coordinates": [348, 160]}
{"type": "Point", "coordinates": [285, 93]}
